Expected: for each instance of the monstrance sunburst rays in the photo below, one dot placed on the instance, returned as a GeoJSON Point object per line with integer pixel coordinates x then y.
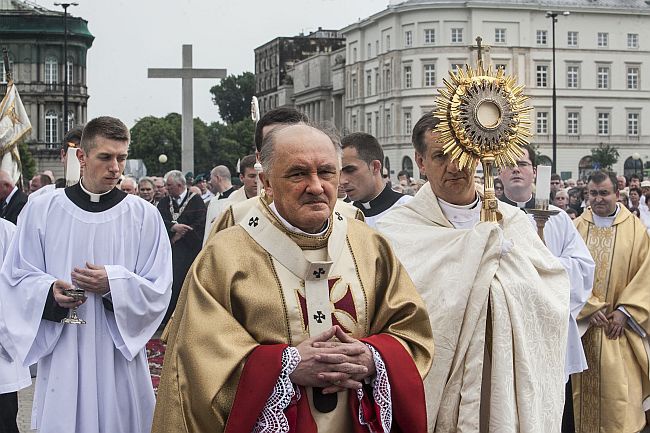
{"type": "Point", "coordinates": [483, 118]}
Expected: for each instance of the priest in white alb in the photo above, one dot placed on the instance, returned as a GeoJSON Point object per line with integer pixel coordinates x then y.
{"type": "Point", "coordinates": [498, 302]}
{"type": "Point", "coordinates": [92, 377]}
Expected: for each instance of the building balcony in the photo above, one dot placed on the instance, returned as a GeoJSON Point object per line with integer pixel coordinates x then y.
{"type": "Point", "coordinates": [52, 89]}
{"type": "Point", "coordinates": [42, 150]}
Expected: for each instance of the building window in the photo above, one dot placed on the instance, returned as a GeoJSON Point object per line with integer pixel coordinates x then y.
{"type": "Point", "coordinates": [603, 39]}
{"type": "Point", "coordinates": [354, 55]}
{"type": "Point", "coordinates": [388, 78]}
{"type": "Point", "coordinates": [376, 123]}
{"type": "Point", "coordinates": [354, 123]}
{"type": "Point", "coordinates": [429, 36]}
{"type": "Point", "coordinates": [456, 36]}
{"type": "Point", "coordinates": [499, 36]}
{"type": "Point", "coordinates": [354, 86]}
{"type": "Point", "coordinates": [542, 76]}
{"type": "Point", "coordinates": [633, 40]}
{"type": "Point", "coordinates": [369, 123]}
{"type": "Point", "coordinates": [541, 122]}
{"type": "Point", "coordinates": [541, 37]}
{"type": "Point", "coordinates": [70, 66]}
{"type": "Point", "coordinates": [602, 77]}
{"type": "Point", "coordinates": [369, 50]}
{"type": "Point", "coordinates": [368, 83]}
{"type": "Point", "coordinates": [377, 47]}
{"type": "Point", "coordinates": [633, 124]}
{"type": "Point", "coordinates": [500, 66]}
{"type": "Point", "coordinates": [376, 80]}
{"type": "Point", "coordinates": [389, 125]}
{"type": "Point", "coordinates": [408, 124]}
{"type": "Point", "coordinates": [572, 77]}
{"type": "Point", "coordinates": [51, 127]}
{"type": "Point", "coordinates": [633, 77]}
{"type": "Point", "coordinates": [51, 70]}
{"type": "Point", "coordinates": [70, 120]}
{"type": "Point", "coordinates": [573, 123]}
{"type": "Point", "coordinates": [387, 42]}
{"type": "Point", "coordinates": [572, 39]}
{"type": "Point", "coordinates": [408, 38]}
{"type": "Point", "coordinates": [429, 75]}
{"type": "Point", "coordinates": [408, 77]}
{"type": "Point", "coordinates": [603, 123]}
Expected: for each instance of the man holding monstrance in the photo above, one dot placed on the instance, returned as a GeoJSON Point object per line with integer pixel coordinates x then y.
{"type": "Point", "coordinates": [497, 298]}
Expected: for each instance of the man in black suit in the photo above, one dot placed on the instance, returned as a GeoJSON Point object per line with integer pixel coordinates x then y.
{"type": "Point", "coordinates": [183, 213]}
{"type": "Point", "coordinates": [12, 200]}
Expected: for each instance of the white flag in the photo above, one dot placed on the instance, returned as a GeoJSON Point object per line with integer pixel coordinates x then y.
{"type": "Point", "coordinates": [14, 126]}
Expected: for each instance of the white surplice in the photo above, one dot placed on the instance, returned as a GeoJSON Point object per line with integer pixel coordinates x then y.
{"type": "Point", "coordinates": [564, 241]}
{"type": "Point", "coordinates": [13, 376]}
{"type": "Point", "coordinates": [92, 377]}
{"type": "Point", "coordinates": [458, 272]}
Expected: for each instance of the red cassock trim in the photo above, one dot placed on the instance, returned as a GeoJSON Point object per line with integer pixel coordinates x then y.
{"type": "Point", "coordinates": [407, 389]}
{"type": "Point", "coordinates": [256, 383]}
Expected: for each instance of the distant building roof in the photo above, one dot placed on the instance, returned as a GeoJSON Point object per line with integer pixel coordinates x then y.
{"type": "Point", "coordinates": [22, 6]}
{"type": "Point", "coordinates": [595, 4]}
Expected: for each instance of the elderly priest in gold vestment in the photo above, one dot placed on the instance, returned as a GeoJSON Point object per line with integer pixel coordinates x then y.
{"type": "Point", "coordinates": [609, 396]}
{"type": "Point", "coordinates": [498, 302]}
{"type": "Point", "coordinates": [297, 319]}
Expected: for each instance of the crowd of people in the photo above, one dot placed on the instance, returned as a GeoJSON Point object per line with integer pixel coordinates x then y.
{"type": "Point", "coordinates": [321, 296]}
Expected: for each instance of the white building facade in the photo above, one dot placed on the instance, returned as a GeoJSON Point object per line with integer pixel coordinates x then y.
{"type": "Point", "coordinates": [396, 61]}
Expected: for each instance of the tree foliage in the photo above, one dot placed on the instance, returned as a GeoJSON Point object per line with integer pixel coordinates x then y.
{"type": "Point", "coordinates": [604, 156]}
{"type": "Point", "coordinates": [28, 165]}
{"type": "Point", "coordinates": [214, 144]}
{"type": "Point", "coordinates": [233, 97]}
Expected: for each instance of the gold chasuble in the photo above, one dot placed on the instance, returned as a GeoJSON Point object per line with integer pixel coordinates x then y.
{"type": "Point", "coordinates": [245, 303]}
{"type": "Point", "coordinates": [609, 396]}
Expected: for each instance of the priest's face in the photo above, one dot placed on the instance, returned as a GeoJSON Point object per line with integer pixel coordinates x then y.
{"type": "Point", "coordinates": [303, 177]}
{"type": "Point", "coordinates": [602, 197]}
{"type": "Point", "coordinates": [518, 180]}
{"type": "Point", "coordinates": [358, 178]}
{"type": "Point", "coordinates": [447, 180]}
{"type": "Point", "coordinates": [103, 164]}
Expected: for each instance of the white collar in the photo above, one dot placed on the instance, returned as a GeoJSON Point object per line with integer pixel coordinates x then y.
{"type": "Point", "coordinates": [462, 216]}
{"type": "Point", "coordinates": [94, 197]}
{"type": "Point", "coordinates": [181, 197]}
{"type": "Point", "coordinates": [294, 229]}
{"type": "Point", "coordinates": [11, 194]}
{"type": "Point", "coordinates": [606, 222]}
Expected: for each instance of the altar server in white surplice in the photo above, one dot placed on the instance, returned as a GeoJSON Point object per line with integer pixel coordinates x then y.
{"type": "Point", "coordinates": [498, 302]}
{"type": "Point", "coordinates": [92, 377]}
{"type": "Point", "coordinates": [13, 376]}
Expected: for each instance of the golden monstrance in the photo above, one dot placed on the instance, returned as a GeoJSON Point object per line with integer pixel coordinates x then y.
{"type": "Point", "coordinates": [483, 118]}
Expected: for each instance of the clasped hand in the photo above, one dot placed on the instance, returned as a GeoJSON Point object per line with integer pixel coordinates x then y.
{"type": "Point", "coordinates": [92, 278]}
{"type": "Point", "coordinates": [614, 322]}
{"type": "Point", "coordinates": [333, 365]}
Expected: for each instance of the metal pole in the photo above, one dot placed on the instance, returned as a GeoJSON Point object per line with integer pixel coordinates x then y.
{"type": "Point", "coordinates": [554, 165]}
{"type": "Point", "coordinates": [65, 68]}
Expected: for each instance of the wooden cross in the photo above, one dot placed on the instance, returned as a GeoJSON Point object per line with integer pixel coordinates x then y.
{"type": "Point", "coordinates": [187, 74]}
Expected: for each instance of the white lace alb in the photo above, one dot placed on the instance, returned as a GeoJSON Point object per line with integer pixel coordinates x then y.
{"type": "Point", "coordinates": [272, 418]}
{"type": "Point", "coordinates": [380, 393]}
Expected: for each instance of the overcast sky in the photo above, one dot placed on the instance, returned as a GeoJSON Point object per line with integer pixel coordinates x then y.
{"type": "Point", "coordinates": [133, 35]}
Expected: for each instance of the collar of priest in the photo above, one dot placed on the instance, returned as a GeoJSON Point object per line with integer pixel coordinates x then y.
{"type": "Point", "coordinates": [82, 199]}
{"type": "Point", "coordinates": [530, 204]}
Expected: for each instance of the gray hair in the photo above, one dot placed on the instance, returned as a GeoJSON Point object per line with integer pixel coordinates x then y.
{"type": "Point", "coordinates": [147, 180]}
{"type": "Point", "coordinates": [130, 179]}
{"type": "Point", "coordinates": [176, 176]}
{"type": "Point", "coordinates": [267, 154]}
{"type": "Point", "coordinates": [221, 171]}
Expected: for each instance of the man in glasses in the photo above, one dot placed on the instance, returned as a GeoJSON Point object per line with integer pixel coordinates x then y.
{"type": "Point", "coordinates": [563, 240]}
{"type": "Point", "coordinates": [609, 395]}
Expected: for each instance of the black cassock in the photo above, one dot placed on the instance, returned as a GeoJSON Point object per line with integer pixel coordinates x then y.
{"type": "Point", "coordinates": [184, 251]}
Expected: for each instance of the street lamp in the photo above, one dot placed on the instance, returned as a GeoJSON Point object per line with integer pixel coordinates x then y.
{"type": "Point", "coordinates": [65, 7]}
{"type": "Point", "coordinates": [636, 160]}
{"type": "Point", "coordinates": [553, 16]}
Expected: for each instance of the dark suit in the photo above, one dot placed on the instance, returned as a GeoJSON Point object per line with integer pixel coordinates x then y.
{"type": "Point", "coordinates": [15, 205]}
{"type": "Point", "coordinates": [185, 250]}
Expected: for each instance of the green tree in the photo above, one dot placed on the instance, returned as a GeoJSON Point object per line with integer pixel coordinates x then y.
{"type": "Point", "coordinates": [233, 97]}
{"type": "Point", "coordinates": [154, 136]}
{"type": "Point", "coordinates": [604, 155]}
{"type": "Point", "coordinates": [27, 163]}
{"type": "Point", "coordinates": [232, 141]}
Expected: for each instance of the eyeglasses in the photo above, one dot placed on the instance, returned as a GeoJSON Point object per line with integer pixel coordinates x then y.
{"type": "Point", "coordinates": [500, 188]}
{"type": "Point", "coordinates": [524, 164]}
